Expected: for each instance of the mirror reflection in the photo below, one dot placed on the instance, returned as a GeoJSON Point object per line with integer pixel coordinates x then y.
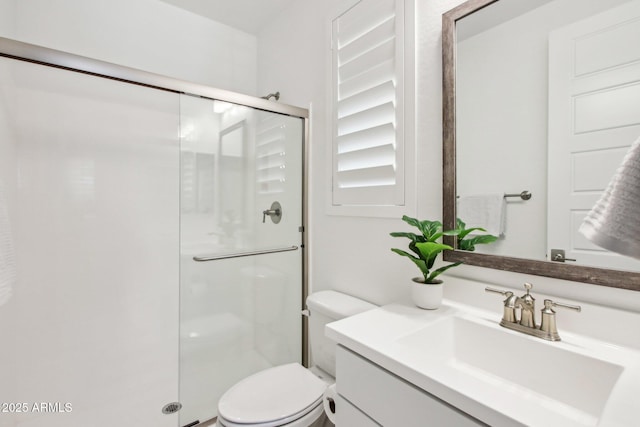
{"type": "Point", "coordinates": [232, 166]}
{"type": "Point", "coordinates": [548, 102]}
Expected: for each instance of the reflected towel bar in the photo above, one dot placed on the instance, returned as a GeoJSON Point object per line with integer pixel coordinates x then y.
{"type": "Point", "coordinates": [525, 195]}
{"type": "Point", "coordinates": [243, 254]}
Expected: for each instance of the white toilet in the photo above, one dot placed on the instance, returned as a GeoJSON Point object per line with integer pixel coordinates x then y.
{"type": "Point", "coordinates": [291, 395]}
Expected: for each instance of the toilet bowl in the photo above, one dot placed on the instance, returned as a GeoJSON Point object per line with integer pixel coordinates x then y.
{"type": "Point", "coordinates": [286, 395]}
{"type": "Point", "coordinates": [291, 395]}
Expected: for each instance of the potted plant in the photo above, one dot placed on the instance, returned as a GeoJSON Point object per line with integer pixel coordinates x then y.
{"type": "Point", "coordinates": [426, 291]}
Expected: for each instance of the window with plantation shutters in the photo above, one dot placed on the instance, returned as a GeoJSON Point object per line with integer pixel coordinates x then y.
{"type": "Point", "coordinates": [367, 52]}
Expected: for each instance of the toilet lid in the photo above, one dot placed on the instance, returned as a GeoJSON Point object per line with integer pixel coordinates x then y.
{"type": "Point", "coordinates": [271, 395]}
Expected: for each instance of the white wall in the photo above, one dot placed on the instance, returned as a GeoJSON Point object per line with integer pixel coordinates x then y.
{"type": "Point", "coordinates": [146, 34]}
{"type": "Point", "coordinates": [7, 12]}
{"type": "Point", "coordinates": [345, 251]}
{"type": "Point", "coordinates": [349, 253]}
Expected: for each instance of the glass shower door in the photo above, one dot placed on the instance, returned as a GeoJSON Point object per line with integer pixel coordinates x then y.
{"type": "Point", "coordinates": [88, 192]}
{"type": "Point", "coordinates": [241, 261]}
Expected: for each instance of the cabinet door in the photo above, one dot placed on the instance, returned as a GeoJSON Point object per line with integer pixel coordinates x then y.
{"type": "Point", "coordinates": [348, 415]}
{"type": "Point", "coordinates": [390, 400]}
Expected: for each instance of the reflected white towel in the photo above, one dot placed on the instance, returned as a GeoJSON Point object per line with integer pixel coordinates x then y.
{"type": "Point", "coordinates": [7, 256]}
{"type": "Point", "coordinates": [614, 222]}
{"type": "Point", "coordinates": [486, 211]}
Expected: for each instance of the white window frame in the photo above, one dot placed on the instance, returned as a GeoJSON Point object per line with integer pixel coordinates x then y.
{"type": "Point", "coordinates": [405, 200]}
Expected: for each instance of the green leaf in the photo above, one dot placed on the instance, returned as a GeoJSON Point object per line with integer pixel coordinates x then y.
{"type": "Point", "coordinates": [413, 236]}
{"type": "Point", "coordinates": [466, 245]}
{"type": "Point", "coordinates": [431, 230]}
{"type": "Point", "coordinates": [422, 266]}
{"type": "Point", "coordinates": [441, 270]}
{"type": "Point", "coordinates": [435, 236]}
{"type": "Point", "coordinates": [485, 238]}
{"type": "Point", "coordinates": [415, 250]}
{"type": "Point", "coordinates": [401, 252]}
{"type": "Point", "coordinates": [417, 261]}
{"type": "Point", "coordinates": [464, 233]}
{"type": "Point", "coordinates": [470, 244]}
{"type": "Point", "coordinates": [411, 221]}
{"type": "Point", "coordinates": [430, 251]}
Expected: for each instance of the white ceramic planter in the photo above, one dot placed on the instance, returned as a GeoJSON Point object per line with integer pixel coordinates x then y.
{"type": "Point", "coordinates": [426, 296]}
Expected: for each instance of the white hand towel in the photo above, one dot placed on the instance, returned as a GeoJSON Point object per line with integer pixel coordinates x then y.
{"type": "Point", "coordinates": [7, 257]}
{"type": "Point", "coordinates": [486, 211]}
{"type": "Point", "coordinates": [614, 222]}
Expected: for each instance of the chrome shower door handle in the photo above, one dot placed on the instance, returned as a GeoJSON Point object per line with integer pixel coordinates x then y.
{"type": "Point", "coordinates": [275, 212]}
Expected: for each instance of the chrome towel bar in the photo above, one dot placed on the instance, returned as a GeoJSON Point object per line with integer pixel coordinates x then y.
{"type": "Point", "coordinates": [525, 195]}
{"type": "Point", "coordinates": [243, 254]}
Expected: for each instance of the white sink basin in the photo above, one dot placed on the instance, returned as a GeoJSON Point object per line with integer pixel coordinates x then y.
{"type": "Point", "coordinates": [501, 377]}
{"type": "Point", "coordinates": [575, 383]}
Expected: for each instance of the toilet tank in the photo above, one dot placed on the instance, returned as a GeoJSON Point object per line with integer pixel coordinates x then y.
{"type": "Point", "coordinates": [326, 307]}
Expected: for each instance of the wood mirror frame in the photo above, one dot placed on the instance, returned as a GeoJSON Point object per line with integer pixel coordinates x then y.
{"type": "Point", "coordinates": [592, 275]}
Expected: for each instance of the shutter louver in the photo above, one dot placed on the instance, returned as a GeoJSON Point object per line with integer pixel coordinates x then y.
{"type": "Point", "coordinates": [270, 154]}
{"type": "Point", "coordinates": [367, 161]}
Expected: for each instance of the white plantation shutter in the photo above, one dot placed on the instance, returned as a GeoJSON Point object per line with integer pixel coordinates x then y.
{"type": "Point", "coordinates": [367, 50]}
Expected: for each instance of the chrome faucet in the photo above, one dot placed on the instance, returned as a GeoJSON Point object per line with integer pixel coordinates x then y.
{"type": "Point", "coordinates": [527, 305]}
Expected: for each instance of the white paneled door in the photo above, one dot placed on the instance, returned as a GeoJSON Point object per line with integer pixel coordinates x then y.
{"type": "Point", "coordinates": [594, 116]}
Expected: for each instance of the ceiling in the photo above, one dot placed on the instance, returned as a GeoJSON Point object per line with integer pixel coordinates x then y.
{"type": "Point", "coordinates": [250, 16]}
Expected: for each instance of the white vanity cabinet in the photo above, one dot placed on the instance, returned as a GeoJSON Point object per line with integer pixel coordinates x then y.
{"type": "Point", "coordinates": [369, 395]}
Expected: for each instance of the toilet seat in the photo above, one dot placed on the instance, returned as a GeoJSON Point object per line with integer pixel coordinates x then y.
{"type": "Point", "coordinates": [305, 420]}
{"type": "Point", "coordinates": [273, 397]}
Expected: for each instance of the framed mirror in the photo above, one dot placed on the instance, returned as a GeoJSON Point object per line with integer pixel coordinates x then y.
{"type": "Point", "coordinates": [541, 101]}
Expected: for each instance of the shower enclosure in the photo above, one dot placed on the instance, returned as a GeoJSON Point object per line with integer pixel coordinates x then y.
{"type": "Point", "coordinates": [151, 242]}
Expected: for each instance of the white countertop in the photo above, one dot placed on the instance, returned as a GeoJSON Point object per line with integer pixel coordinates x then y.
{"type": "Point", "coordinates": [386, 336]}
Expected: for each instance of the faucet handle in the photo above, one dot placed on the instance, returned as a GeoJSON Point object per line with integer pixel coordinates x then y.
{"type": "Point", "coordinates": [498, 291]}
{"type": "Point", "coordinates": [548, 322]}
{"type": "Point", "coordinates": [548, 304]}
{"type": "Point", "coordinates": [509, 310]}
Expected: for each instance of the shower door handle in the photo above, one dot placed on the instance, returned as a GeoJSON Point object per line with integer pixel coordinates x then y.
{"type": "Point", "coordinates": [271, 213]}
{"type": "Point", "coordinates": [245, 254]}
{"type": "Point", "coordinates": [275, 212]}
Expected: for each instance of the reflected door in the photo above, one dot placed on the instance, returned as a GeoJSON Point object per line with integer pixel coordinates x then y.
{"type": "Point", "coordinates": [241, 272]}
{"type": "Point", "coordinates": [594, 116]}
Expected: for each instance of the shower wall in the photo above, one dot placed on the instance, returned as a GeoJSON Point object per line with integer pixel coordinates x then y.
{"type": "Point", "coordinates": [90, 171]}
